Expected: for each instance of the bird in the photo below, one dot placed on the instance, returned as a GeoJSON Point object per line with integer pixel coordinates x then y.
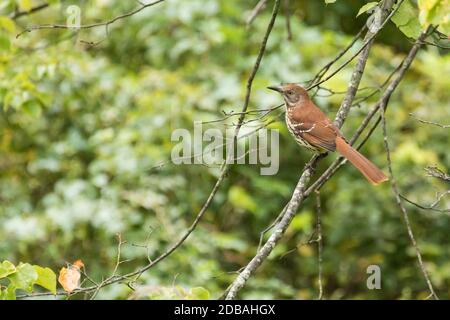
{"type": "Point", "coordinates": [312, 129]}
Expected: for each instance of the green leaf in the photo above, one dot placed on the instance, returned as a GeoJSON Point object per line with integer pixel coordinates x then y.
{"type": "Point", "coordinates": [199, 293]}
{"type": "Point", "coordinates": [435, 12]}
{"type": "Point", "coordinates": [406, 19]}
{"type": "Point", "coordinates": [241, 199]}
{"type": "Point", "coordinates": [8, 24]}
{"type": "Point", "coordinates": [5, 43]}
{"type": "Point", "coordinates": [46, 278]}
{"type": "Point", "coordinates": [366, 7]}
{"type": "Point", "coordinates": [32, 108]}
{"type": "Point", "coordinates": [24, 278]}
{"type": "Point", "coordinates": [8, 294]}
{"type": "Point", "coordinates": [330, 1]}
{"type": "Point", "coordinates": [6, 268]}
{"type": "Point", "coordinates": [25, 5]}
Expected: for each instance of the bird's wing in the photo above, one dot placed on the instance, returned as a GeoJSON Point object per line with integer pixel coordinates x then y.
{"type": "Point", "coordinates": [315, 127]}
{"type": "Point", "coordinates": [319, 134]}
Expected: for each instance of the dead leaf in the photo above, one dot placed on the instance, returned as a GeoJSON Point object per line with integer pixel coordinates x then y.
{"type": "Point", "coordinates": [69, 277]}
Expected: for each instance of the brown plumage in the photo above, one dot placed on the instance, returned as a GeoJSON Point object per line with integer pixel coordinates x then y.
{"type": "Point", "coordinates": [311, 128]}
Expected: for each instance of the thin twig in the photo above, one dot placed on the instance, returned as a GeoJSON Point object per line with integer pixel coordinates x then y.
{"type": "Point", "coordinates": [403, 67]}
{"type": "Point", "coordinates": [368, 40]}
{"type": "Point", "coordinates": [287, 14]}
{"type": "Point", "coordinates": [432, 206]}
{"type": "Point", "coordinates": [434, 171]}
{"type": "Point", "coordinates": [224, 171]}
{"type": "Point", "coordinates": [256, 11]}
{"type": "Point", "coordinates": [299, 192]}
{"type": "Point", "coordinates": [326, 67]}
{"type": "Point", "coordinates": [93, 25]}
{"type": "Point", "coordinates": [445, 126]}
{"type": "Point", "coordinates": [402, 208]}
{"type": "Point", "coordinates": [18, 14]}
{"type": "Point", "coordinates": [319, 242]}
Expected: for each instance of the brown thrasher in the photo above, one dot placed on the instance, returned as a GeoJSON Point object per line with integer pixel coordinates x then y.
{"type": "Point", "coordinates": [312, 129]}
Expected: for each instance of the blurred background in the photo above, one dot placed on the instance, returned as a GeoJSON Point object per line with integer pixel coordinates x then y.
{"type": "Point", "coordinates": [85, 118]}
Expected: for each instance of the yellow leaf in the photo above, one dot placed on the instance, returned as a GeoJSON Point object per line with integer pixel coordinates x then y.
{"type": "Point", "coordinates": [8, 24]}
{"type": "Point", "coordinates": [25, 5]}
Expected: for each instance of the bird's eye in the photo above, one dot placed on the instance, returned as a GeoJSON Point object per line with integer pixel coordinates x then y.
{"type": "Point", "coordinates": [290, 92]}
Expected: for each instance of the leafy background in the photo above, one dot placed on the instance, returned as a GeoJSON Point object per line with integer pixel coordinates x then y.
{"type": "Point", "coordinates": [82, 127]}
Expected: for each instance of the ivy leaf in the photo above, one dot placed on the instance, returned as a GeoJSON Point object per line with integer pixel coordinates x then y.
{"type": "Point", "coordinates": [366, 7]}
{"type": "Point", "coordinates": [24, 278]}
{"type": "Point", "coordinates": [407, 20]}
{"type": "Point", "coordinates": [6, 268]}
{"type": "Point", "coordinates": [46, 278]}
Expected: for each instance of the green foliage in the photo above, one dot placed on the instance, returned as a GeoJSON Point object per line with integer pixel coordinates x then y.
{"type": "Point", "coordinates": [23, 277]}
{"type": "Point", "coordinates": [407, 19]}
{"type": "Point", "coordinates": [366, 7]}
{"type": "Point", "coordinates": [435, 12]}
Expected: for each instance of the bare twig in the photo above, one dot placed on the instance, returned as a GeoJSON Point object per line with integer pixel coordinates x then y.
{"type": "Point", "coordinates": [279, 231]}
{"type": "Point", "coordinates": [319, 242]}
{"type": "Point", "coordinates": [444, 126]}
{"type": "Point", "coordinates": [326, 67]}
{"type": "Point", "coordinates": [260, 6]}
{"type": "Point", "coordinates": [287, 14]}
{"type": "Point", "coordinates": [402, 208]}
{"type": "Point", "coordinates": [224, 171]}
{"type": "Point", "coordinates": [116, 266]}
{"type": "Point", "coordinates": [432, 206]}
{"type": "Point", "coordinates": [18, 14]}
{"type": "Point", "coordinates": [228, 115]}
{"type": "Point", "coordinates": [386, 6]}
{"type": "Point", "coordinates": [440, 46]}
{"type": "Point", "coordinates": [434, 171]}
{"type": "Point", "coordinates": [384, 99]}
{"type": "Point", "coordinates": [93, 25]}
{"type": "Point", "coordinates": [299, 192]}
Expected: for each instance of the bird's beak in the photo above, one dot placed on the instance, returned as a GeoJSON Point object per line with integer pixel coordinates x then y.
{"type": "Point", "coordinates": [276, 88]}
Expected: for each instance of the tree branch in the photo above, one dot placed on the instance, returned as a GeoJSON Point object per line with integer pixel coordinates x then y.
{"type": "Point", "coordinates": [90, 26]}
{"type": "Point", "coordinates": [260, 6]}
{"type": "Point", "coordinates": [18, 14]}
{"type": "Point", "coordinates": [434, 171]}
{"type": "Point", "coordinates": [299, 193]}
{"type": "Point", "coordinates": [368, 39]}
{"type": "Point", "coordinates": [444, 126]}
{"type": "Point", "coordinates": [224, 171]}
{"type": "Point", "coordinates": [402, 208]}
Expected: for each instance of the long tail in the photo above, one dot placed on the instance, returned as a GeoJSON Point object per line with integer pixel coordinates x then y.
{"type": "Point", "coordinates": [367, 168]}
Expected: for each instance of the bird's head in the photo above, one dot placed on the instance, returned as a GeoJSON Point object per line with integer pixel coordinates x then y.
{"type": "Point", "coordinates": [292, 93]}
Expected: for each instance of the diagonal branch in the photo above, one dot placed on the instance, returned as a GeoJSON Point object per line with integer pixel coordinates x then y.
{"type": "Point", "coordinates": [399, 202]}
{"type": "Point", "coordinates": [260, 6]}
{"type": "Point", "coordinates": [386, 6]}
{"type": "Point", "coordinates": [93, 25]}
{"type": "Point", "coordinates": [224, 171]}
{"type": "Point", "coordinates": [299, 192]}
{"type": "Point", "coordinates": [434, 171]}
{"type": "Point", "coordinates": [18, 14]}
